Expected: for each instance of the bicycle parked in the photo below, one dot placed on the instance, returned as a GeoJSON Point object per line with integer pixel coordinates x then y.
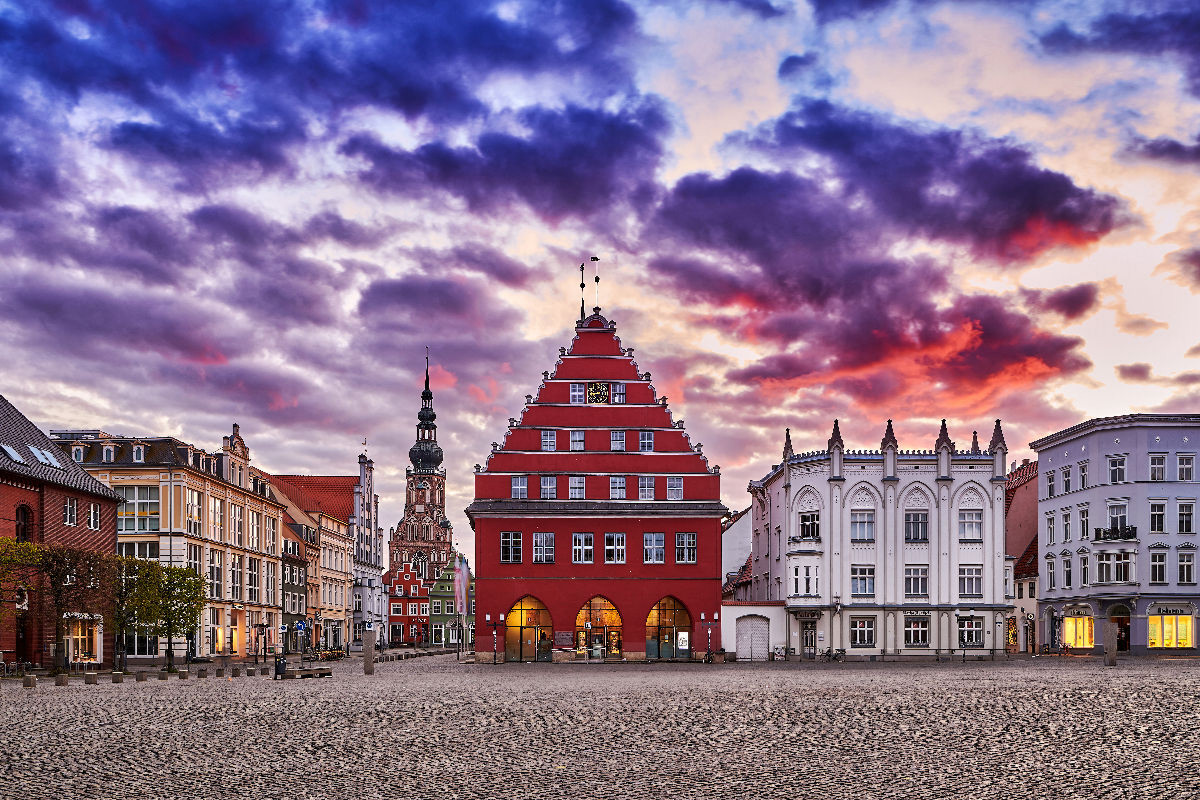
{"type": "Point", "coordinates": [833, 655]}
{"type": "Point", "coordinates": [15, 669]}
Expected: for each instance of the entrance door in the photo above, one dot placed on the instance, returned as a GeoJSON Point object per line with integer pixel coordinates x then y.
{"type": "Point", "coordinates": [598, 623]}
{"type": "Point", "coordinates": [752, 638]}
{"type": "Point", "coordinates": [1122, 632]}
{"type": "Point", "coordinates": [529, 631]}
{"type": "Point", "coordinates": [668, 630]}
{"type": "Point", "coordinates": [808, 638]}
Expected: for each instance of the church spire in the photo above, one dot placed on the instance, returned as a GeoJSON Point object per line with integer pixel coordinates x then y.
{"type": "Point", "coordinates": [425, 454]}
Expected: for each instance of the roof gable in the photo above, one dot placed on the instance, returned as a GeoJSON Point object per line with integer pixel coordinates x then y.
{"type": "Point", "coordinates": [30, 453]}
{"type": "Point", "coordinates": [332, 495]}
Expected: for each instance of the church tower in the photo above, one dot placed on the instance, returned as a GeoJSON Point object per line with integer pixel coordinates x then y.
{"type": "Point", "coordinates": [423, 537]}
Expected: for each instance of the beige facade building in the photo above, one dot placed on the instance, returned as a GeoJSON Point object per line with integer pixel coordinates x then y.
{"type": "Point", "coordinates": [331, 573]}
{"type": "Point", "coordinates": [187, 507]}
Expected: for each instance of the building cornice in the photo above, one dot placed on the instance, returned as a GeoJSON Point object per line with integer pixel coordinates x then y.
{"type": "Point", "coordinates": [1114, 423]}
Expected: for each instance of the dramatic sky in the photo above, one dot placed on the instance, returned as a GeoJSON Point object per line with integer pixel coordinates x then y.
{"type": "Point", "coordinates": [262, 212]}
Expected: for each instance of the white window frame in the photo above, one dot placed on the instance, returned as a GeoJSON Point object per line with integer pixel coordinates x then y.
{"type": "Point", "coordinates": [549, 487]}
{"type": "Point", "coordinates": [70, 511]}
{"type": "Point", "coordinates": [916, 580]}
{"type": "Point", "coordinates": [616, 487]}
{"type": "Point", "coordinates": [862, 580]}
{"type": "Point", "coordinates": [916, 631]}
{"type": "Point", "coordinates": [645, 487]}
{"type": "Point", "coordinates": [687, 548]}
{"type": "Point", "coordinates": [674, 487]}
{"type": "Point", "coordinates": [1158, 467]}
{"type": "Point", "coordinates": [1185, 467]}
{"type": "Point", "coordinates": [520, 487]}
{"type": "Point", "coordinates": [645, 441]}
{"type": "Point", "coordinates": [862, 631]}
{"type": "Point", "coordinates": [654, 548]}
{"type": "Point", "coordinates": [616, 441]}
{"type": "Point", "coordinates": [970, 580]}
{"type": "Point", "coordinates": [510, 547]}
{"type": "Point", "coordinates": [862, 525]}
{"type": "Point", "coordinates": [1116, 469]}
{"type": "Point", "coordinates": [970, 524]}
{"type": "Point", "coordinates": [614, 548]}
{"type": "Point", "coordinates": [578, 393]}
{"type": "Point", "coordinates": [617, 391]}
{"type": "Point", "coordinates": [582, 547]}
{"type": "Point", "coordinates": [543, 547]}
{"type": "Point", "coordinates": [577, 487]}
{"type": "Point", "coordinates": [549, 441]}
{"type": "Point", "coordinates": [577, 441]}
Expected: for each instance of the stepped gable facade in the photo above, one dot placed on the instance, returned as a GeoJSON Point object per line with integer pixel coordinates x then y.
{"type": "Point", "coordinates": [597, 519]}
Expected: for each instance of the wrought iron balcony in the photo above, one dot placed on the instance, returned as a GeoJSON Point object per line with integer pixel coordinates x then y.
{"type": "Point", "coordinates": [1116, 533]}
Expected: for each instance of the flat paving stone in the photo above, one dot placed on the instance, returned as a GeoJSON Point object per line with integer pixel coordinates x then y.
{"type": "Point", "coordinates": [1062, 728]}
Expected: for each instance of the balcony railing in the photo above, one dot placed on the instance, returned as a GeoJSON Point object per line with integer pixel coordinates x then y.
{"type": "Point", "coordinates": [1116, 533]}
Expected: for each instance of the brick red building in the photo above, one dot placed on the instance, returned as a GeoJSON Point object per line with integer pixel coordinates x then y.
{"type": "Point", "coordinates": [408, 606]}
{"type": "Point", "coordinates": [46, 498]}
{"type": "Point", "coordinates": [597, 521]}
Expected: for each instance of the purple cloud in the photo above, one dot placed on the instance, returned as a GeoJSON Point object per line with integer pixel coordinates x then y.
{"type": "Point", "coordinates": [951, 185]}
{"type": "Point", "coordinates": [576, 162]}
{"type": "Point", "coordinates": [1071, 302]}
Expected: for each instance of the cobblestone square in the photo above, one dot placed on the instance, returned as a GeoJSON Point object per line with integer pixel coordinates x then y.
{"type": "Point", "coordinates": [431, 727]}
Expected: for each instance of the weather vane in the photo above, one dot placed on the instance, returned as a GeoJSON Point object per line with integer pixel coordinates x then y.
{"type": "Point", "coordinates": [583, 288]}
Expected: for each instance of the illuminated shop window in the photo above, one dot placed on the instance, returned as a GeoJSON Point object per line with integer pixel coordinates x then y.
{"type": "Point", "coordinates": [1170, 630]}
{"type": "Point", "coordinates": [1078, 632]}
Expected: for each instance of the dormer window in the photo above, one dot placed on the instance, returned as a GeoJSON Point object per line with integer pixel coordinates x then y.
{"type": "Point", "coordinates": [108, 453]}
{"type": "Point", "coordinates": [138, 451]}
{"type": "Point", "coordinates": [77, 453]}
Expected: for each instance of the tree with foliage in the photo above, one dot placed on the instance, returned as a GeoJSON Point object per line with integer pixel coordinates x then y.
{"type": "Point", "coordinates": [182, 596]}
{"type": "Point", "coordinates": [135, 587]}
{"type": "Point", "coordinates": [18, 564]}
{"type": "Point", "coordinates": [72, 585]}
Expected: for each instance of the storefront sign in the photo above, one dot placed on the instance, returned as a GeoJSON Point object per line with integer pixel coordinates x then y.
{"type": "Point", "coordinates": [808, 614]}
{"type": "Point", "coordinates": [916, 614]}
{"type": "Point", "coordinates": [1171, 610]}
{"type": "Point", "coordinates": [1078, 612]}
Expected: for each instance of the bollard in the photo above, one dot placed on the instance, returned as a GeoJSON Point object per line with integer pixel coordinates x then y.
{"type": "Point", "coordinates": [140, 677]}
{"type": "Point", "coordinates": [61, 679]}
{"type": "Point", "coordinates": [183, 674]}
{"type": "Point", "coordinates": [91, 678]}
{"type": "Point", "coordinates": [236, 672]}
{"type": "Point", "coordinates": [1110, 643]}
{"type": "Point", "coordinates": [30, 682]}
{"type": "Point", "coordinates": [163, 675]}
{"type": "Point", "coordinates": [118, 677]}
{"type": "Point", "coordinates": [369, 652]}
{"type": "Point", "coordinates": [250, 672]}
{"type": "Point", "coordinates": [220, 672]}
{"type": "Point", "coordinates": [202, 672]}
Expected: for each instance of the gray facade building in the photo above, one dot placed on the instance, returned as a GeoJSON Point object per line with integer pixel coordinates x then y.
{"type": "Point", "coordinates": [1117, 532]}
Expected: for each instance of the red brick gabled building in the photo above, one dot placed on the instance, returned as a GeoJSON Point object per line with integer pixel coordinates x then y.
{"type": "Point", "coordinates": [48, 499]}
{"type": "Point", "coordinates": [597, 521]}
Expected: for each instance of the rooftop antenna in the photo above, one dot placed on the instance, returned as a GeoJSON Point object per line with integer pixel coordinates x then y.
{"type": "Point", "coordinates": [597, 269]}
{"type": "Point", "coordinates": [582, 294]}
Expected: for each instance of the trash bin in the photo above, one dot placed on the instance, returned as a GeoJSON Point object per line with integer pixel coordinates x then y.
{"type": "Point", "coordinates": [280, 666]}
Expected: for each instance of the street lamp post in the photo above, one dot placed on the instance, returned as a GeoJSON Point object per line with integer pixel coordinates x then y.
{"type": "Point", "coordinates": [488, 621]}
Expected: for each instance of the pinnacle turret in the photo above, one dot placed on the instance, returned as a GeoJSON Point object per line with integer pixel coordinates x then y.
{"type": "Point", "coordinates": [836, 437]}
{"type": "Point", "coordinates": [787, 444]}
{"type": "Point", "coordinates": [425, 454]}
{"type": "Point", "coordinates": [943, 439]}
{"type": "Point", "coordinates": [889, 438]}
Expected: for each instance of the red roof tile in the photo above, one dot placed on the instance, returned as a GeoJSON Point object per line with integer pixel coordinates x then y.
{"type": "Point", "coordinates": [1027, 564]}
{"type": "Point", "coordinates": [330, 494]}
{"type": "Point", "coordinates": [1017, 478]}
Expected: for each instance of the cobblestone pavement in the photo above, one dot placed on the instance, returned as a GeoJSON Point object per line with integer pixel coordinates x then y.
{"type": "Point", "coordinates": [428, 727]}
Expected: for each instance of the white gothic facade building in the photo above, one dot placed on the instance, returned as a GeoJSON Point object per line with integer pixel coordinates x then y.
{"type": "Point", "coordinates": [882, 553]}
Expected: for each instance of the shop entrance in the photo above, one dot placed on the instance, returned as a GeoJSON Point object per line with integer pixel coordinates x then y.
{"type": "Point", "coordinates": [669, 630]}
{"type": "Point", "coordinates": [1120, 616]}
{"type": "Point", "coordinates": [598, 630]}
{"type": "Point", "coordinates": [808, 638]}
{"type": "Point", "coordinates": [528, 632]}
